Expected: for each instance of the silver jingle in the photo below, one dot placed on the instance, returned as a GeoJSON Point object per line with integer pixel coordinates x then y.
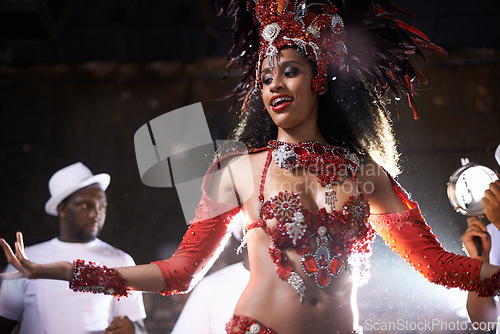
{"type": "Point", "coordinates": [340, 47]}
{"type": "Point", "coordinates": [337, 21]}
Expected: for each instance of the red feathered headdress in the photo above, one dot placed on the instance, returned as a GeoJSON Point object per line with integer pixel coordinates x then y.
{"type": "Point", "coordinates": [353, 36]}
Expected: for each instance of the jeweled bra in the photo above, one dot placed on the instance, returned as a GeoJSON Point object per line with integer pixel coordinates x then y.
{"type": "Point", "coordinates": [343, 237]}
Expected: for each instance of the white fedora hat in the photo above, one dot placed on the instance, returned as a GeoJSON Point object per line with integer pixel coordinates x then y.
{"type": "Point", "coordinates": [69, 180]}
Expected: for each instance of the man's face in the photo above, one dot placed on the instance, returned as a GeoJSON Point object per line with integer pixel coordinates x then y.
{"type": "Point", "coordinates": [82, 214]}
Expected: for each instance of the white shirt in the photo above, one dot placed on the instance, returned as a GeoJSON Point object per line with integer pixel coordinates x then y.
{"type": "Point", "coordinates": [495, 255]}
{"type": "Point", "coordinates": [49, 306]}
{"type": "Point", "coordinates": [211, 303]}
{"type": "Point", "coordinates": [495, 244]}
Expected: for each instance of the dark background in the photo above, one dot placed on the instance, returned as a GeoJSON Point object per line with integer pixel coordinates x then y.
{"type": "Point", "coordinates": [78, 78]}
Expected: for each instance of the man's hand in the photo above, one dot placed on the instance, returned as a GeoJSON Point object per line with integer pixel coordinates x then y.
{"type": "Point", "coordinates": [477, 228]}
{"type": "Point", "coordinates": [491, 202]}
{"type": "Point", "coordinates": [120, 325]}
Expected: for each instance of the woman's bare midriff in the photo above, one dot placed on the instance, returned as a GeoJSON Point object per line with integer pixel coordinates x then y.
{"type": "Point", "coordinates": [274, 302]}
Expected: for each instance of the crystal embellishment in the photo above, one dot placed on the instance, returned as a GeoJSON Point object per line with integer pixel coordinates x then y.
{"type": "Point", "coordinates": [271, 31]}
{"type": "Point", "coordinates": [254, 329]}
{"type": "Point", "coordinates": [337, 24]}
{"type": "Point", "coordinates": [330, 196]}
{"type": "Point", "coordinates": [298, 284]}
{"type": "Point", "coordinates": [314, 31]}
{"type": "Point", "coordinates": [322, 265]}
{"type": "Point", "coordinates": [285, 157]}
{"type": "Point", "coordinates": [285, 205]}
{"type": "Point", "coordinates": [340, 48]}
{"type": "Point", "coordinates": [296, 229]}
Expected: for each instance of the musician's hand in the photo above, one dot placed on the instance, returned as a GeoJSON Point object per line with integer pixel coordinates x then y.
{"type": "Point", "coordinates": [477, 228]}
{"type": "Point", "coordinates": [491, 202]}
{"type": "Point", "coordinates": [120, 325]}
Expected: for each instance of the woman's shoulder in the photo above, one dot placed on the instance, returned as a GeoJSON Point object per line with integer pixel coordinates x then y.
{"type": "Point", "coordinates": [237, 152]}
{"type": "Point", "coordinates": [372, 177]}
{"type": "Point", "coordinates": [231, 171]}
{"type": "Point", "coordinates": [381, 188]}
{"type": "Point", "coordinates": [371, 171]}
{"type": "Point", "coordinates": [242, 158]}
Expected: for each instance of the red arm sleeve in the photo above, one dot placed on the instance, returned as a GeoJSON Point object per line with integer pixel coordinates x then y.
{"type": "Point", "coordinates": [200, 246]}
{"type": "Point", "coordinates": [205, 238]}
{"type": "Point", "coordinates": [408, 234]}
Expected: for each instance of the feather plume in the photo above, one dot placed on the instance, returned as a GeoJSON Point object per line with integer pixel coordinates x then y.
{"type": "Point", "coordinates": [378, 45]}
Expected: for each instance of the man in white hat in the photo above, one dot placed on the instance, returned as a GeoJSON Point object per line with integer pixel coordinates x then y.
{"type": "Point", "coordinates": [49, 306]}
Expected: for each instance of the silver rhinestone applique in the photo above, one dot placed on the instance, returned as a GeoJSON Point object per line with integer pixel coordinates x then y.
{"type": "Point", "coordinates": [322, 265]}
{"type": "Point", "coordinates": [337, 24]}
{"type": "Point", "coordinates": [330, 196]}
{"type": "Point", "coordinates": [340, 48]}
{"type": "Point", "coordinates": [272, 55]}
{"type": "Point", "coordinates": [285, 157]}
{"type": "Point", "coordinates": [298, 284]}
{"type": "Point", "coordinates": [296, 229]}
{"type": "Point", "coordinates": [301, 11]}
{"type": "Point", "coordinates": [301, 44]}
{"type": "Point", "coordinates": [254, 329]}
{"type": "Point", "coordinates": [313, 30]}
{"type": "Point", "coordinates": [354, 159]}
{"type": "Point", "coordinates": [271, 31]}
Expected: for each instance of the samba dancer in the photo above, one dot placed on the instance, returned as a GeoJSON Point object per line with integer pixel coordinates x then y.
{"type": "Point", "coordinates": [315, 121]}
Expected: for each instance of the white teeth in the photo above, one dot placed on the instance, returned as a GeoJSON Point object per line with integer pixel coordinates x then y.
{"type": "Point", "coordinates": [281, 99]}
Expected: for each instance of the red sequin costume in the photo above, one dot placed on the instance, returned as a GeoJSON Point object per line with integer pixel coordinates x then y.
{"type": "Point", "coordinates": [408, 234]}
{"type": "Point", "coordinates": [339, 235]}
{"type": "Point", "coordinates": [247, 325]}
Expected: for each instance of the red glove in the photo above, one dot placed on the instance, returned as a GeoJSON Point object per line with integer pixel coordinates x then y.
{"type": "Point", "coordinates": [408, 234]}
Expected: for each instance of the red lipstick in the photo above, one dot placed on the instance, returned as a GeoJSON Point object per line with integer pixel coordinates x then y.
{"type": "Point", "coordinates": [280, 101]}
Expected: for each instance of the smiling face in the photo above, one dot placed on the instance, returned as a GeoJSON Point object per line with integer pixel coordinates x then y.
{"type": "Point", "coordinates": [82, 215]}
{"type": "Point", "coordinates": [287, 93]}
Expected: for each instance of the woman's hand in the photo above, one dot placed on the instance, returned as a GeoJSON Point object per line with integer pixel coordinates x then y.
{"type": "Point", "coordinates": [56, 270]}
{"type": "Point", "coordinates": [477, 228]}
{"type": "Point", "coordinates": [19, 260]}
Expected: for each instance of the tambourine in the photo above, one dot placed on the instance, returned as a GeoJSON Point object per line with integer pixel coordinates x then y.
{"type": "Point", "coordinates": [467, 185]}
{"type": "Point", "coordinates": [466, 190]}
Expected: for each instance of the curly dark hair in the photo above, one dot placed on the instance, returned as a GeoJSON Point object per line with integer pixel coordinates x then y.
{"type": "Point", "coordinates": [349, 115]}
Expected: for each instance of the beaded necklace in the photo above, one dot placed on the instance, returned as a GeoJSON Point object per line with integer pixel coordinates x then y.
{"type": "Point", "coordinates": [326, 161]}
